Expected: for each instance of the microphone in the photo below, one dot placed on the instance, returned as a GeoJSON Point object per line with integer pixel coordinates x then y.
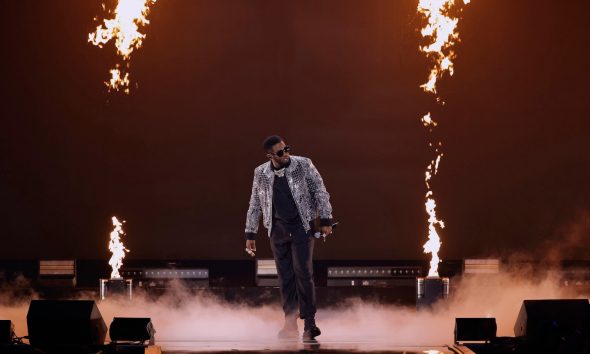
{"type": "Point", "coordinates": [319, 234]}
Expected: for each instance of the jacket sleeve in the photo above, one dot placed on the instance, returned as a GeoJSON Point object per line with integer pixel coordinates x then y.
{"type": "Point", "coordinates": [254, 211]}
{"type": "Point", "coordinates": [319, 194]}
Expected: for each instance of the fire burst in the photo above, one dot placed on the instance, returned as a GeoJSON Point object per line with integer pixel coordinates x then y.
{"type": "Point", "coordinates": [117, 248]}
{"type": "Point", "coordinates": [441, 34]}
{"type": "Point", "coordinates": [129, 16]}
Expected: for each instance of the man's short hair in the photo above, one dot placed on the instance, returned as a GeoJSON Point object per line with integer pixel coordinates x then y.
{"type": "Point", "coordinates": [270, 142]}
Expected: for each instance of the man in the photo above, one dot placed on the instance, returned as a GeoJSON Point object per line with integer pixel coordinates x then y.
{"type": "Point", "coordinates": [290, 194]}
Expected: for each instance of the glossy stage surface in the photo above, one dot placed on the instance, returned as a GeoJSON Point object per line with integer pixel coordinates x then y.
{"type": "Point", "coordinates": [297, 346]}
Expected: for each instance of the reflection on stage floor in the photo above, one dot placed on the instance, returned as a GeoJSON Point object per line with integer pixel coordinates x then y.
{"type": "Point", "coordinates": [253, 346]}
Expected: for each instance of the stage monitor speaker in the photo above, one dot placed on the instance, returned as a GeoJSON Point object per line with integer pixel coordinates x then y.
{"type": "Point", "coordinates": [475, 329]}
{"type": "Point", "coordinates": [554, 325]}
{"type": "Point", "coordinates": [132, 330]}
{"type": "Point", "coordinates": [6, 332]}
{"type": "Point", "coordinates": [65, 324]}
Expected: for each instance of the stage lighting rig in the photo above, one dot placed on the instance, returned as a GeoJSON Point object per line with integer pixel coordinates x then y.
{"type": "Point", "coordinates": [161, 277]}
{"type": "Point", "coordinates": [380, 276]}
{"type": "Point", "coordinates": [266, 273]}
{"type": "Point", "coordinates": [481, 266]}
{"type": "Point", "coordinates": [57, 273]}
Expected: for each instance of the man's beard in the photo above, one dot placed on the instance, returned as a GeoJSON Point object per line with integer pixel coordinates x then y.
{"type": "Point", "coordinates": [284, 163]}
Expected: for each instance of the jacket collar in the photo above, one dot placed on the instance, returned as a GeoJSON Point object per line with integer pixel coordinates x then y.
{"type": "Point", "coordinates": [268, 172]}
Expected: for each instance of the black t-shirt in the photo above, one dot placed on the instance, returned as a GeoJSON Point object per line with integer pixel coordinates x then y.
{"type": "Point", "coordinates": [283, 204]}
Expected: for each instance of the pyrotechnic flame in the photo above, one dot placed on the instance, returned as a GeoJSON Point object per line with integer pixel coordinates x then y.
{"type": "Point", "coordinates": [116, 81]}
{"type": "Point", "coordinates": [433, 244]}
{"type": "Point", "coordinates": [440, 30]}
{"type": "Point", "coordinates": [117, 248]}
{"type": "Point", "coordinates": [129, 16]}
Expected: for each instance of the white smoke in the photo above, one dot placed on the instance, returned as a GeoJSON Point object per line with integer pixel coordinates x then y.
{"type": "Point", "coordinates": [185, 315]}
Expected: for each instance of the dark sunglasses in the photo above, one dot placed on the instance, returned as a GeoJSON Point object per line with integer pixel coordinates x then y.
{"type": "Point", "coordinates": [281, 152]}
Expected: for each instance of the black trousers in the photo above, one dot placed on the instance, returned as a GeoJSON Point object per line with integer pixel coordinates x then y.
{"type": "Point", "coordinates": [292, 248]}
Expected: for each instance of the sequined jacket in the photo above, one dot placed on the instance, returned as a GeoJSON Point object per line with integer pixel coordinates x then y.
{"type": "Point", "coordinates": [307, 188]}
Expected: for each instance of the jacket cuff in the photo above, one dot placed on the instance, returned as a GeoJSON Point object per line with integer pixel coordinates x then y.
{"type": "Point", "coordinates": [250, 236]}
{"type": "Point", "coordinates": [326, 222]}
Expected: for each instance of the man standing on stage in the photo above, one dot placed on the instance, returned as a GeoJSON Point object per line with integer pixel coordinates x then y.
{"type": "Point", "coordinates": [290, 194]}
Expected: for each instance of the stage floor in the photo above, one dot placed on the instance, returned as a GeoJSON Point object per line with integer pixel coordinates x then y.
{"type": "Point", "coordinates": [296, 346]}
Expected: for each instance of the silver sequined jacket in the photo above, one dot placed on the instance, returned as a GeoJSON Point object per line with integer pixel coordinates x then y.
{"type": "Point", "coordinates": [307, 188]}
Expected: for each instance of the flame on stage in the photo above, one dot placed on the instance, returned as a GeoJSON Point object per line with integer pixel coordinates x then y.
{"type": "Point", "coordinates": [117, 248]}
{"type": "Point", "coordinates": [440, 32]}
{"type": "Point", "coordinates": [128, 17]}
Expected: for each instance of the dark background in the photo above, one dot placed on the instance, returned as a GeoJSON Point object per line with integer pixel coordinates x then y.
{"type": "Point", "coordinates": [338, 79]}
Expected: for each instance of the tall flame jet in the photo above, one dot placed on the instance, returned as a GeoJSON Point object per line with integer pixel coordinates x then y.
{"type": "Point", "coordinates": [129, 16]}
{"type": "Point", "coordinates": [117, 248]}
{"type": "Point", "coordinates": [441, 36]}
